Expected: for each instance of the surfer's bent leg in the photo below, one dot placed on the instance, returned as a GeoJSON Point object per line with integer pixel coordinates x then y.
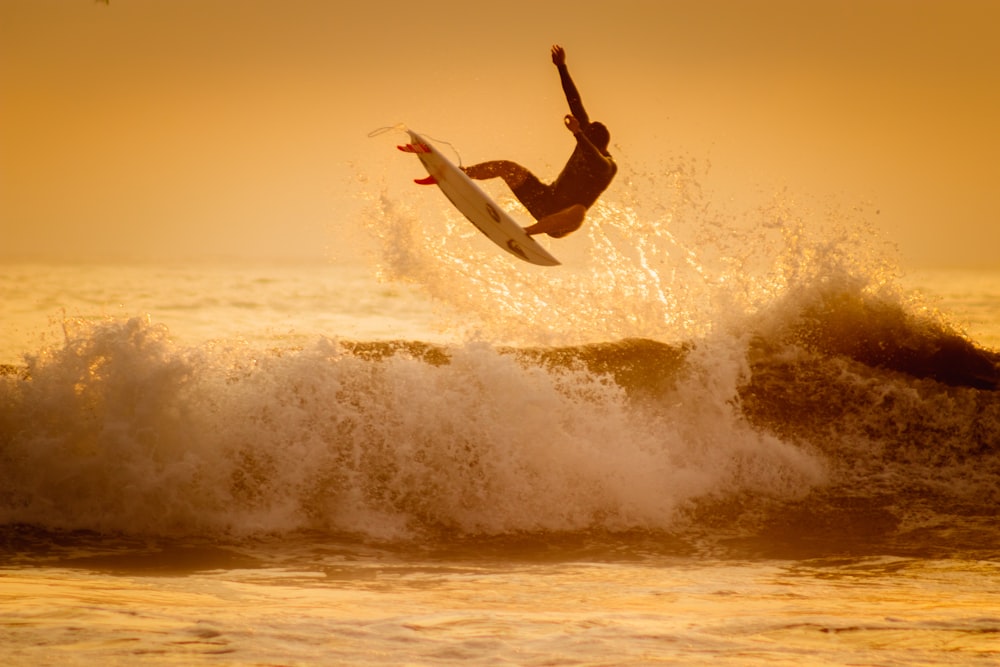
{"type": "Point", "coordinates": [560, 224]}
{"type": "Point", "coordinates": [536, 196]}
{"type": "Point", "coordinates": [512, 173]}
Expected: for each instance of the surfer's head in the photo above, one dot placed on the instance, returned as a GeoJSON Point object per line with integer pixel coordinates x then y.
{"type": "Point", "coordinates": [599, 135]}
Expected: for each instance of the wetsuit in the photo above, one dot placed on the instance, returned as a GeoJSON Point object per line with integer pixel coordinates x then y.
{"type": "Point", "coordinates": [586, 175]}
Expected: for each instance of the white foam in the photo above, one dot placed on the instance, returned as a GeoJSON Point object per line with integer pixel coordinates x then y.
{"type": "Point", "coordinates": [122, 429]}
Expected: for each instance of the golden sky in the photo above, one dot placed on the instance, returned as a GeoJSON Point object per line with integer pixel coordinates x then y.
{"type": "Point", "coordinates": [152, 129]}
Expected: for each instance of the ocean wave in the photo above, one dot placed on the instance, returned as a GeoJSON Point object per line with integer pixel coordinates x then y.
{"type": "Point", "coordinates": [122, 429]}
{"type": "Point", "coordinates": [701, 372]}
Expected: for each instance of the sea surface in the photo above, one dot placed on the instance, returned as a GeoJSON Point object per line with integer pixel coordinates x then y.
{"type": "Point", "coordinates": [707, 438]}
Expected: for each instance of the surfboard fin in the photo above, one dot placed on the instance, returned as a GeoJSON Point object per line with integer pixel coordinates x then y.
{"type": "Point", "coordinates": [414, 148]}
{"type": "Point", "coordinates": [430, 180]}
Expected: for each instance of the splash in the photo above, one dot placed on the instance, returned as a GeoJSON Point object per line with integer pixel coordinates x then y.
{"type": "Point", "coordinates": [667, 262]}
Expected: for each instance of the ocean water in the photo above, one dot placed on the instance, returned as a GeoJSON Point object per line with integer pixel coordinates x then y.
{"type": "Point", "coordinates": [707, 438]}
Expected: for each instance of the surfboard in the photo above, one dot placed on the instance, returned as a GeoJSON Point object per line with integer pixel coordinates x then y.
{"type": "Point", "coordinates": [475, 204]}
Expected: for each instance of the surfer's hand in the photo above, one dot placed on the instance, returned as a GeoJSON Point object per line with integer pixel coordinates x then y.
{"type": "Point", "coordinates": [558, 55]}
{"type": "Point", "coordinates": [572, 124]}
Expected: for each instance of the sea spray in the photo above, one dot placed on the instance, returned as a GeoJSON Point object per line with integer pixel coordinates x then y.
{"type": "Point", "coordinates": [663, 260]}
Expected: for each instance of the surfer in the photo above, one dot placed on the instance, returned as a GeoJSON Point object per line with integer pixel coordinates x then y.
{"type": "Point", "coordinates": [560, 207]}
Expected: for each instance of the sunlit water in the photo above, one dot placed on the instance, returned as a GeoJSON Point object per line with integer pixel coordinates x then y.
{"type": "Point", "coordinates": [666, 452]}
{"type": "Point", "coordinates": [331, 605]}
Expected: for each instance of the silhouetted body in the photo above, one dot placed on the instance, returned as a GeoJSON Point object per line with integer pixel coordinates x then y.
{"type": "Point", "coordinates": [560, 206]}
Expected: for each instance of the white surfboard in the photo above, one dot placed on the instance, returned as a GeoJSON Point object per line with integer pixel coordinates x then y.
{"type": "Point", "coordinates": [476, 205]}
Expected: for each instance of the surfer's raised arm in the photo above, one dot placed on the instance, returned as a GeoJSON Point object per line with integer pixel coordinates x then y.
{"type": "Point", "coordinates": [569, 88]}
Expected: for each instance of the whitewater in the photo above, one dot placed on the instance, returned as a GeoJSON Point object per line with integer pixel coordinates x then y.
{"type": "Point", "coordinates": [709, 437]}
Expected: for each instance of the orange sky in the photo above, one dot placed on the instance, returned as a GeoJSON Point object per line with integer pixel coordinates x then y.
{"type": "Point", "coordinates": [145, 129]}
